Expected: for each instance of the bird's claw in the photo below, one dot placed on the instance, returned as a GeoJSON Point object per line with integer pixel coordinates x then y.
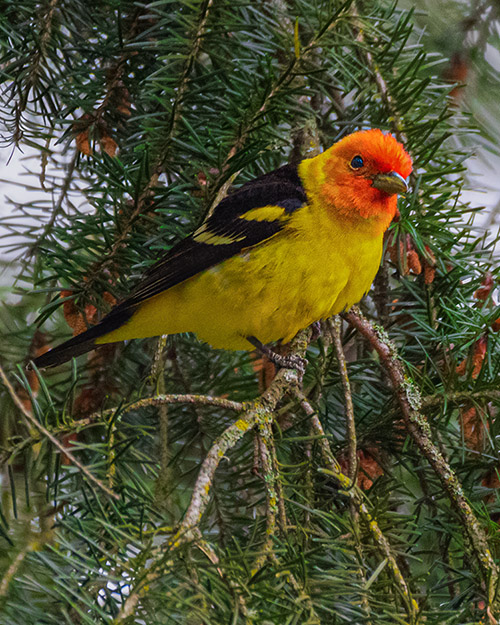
{"type": "Point", "coordinates": [293, 361]}
{"type": "Point", "coordinates": [289, 361]}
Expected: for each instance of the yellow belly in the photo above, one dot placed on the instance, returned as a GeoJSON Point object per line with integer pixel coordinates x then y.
{"type": "Point", "coordinates": [270, 291]}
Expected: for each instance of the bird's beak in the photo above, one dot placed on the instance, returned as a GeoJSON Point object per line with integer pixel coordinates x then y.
{"type": "Point", "coordinates": [390, 183]}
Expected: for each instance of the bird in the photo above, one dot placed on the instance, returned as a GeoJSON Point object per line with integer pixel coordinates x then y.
{"type": "Point", "coordinates": [285, 250]}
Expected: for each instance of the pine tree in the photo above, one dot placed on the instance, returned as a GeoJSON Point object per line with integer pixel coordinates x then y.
{"type": "Point", "coordinates": [163, 481]}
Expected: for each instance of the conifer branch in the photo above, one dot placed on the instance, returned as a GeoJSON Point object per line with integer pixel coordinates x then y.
{"type": "Point", "coordinates": [45, 19]}
{"type": "Point", "coordinates": [144, 201]}
{"type": "Point", "coordinates": [457, 397]}
{"type": "Point", "coordinates": [43, 430]}
{"type": "Point", "coordinates": [176, 114]}
{"type": "Point", "coordinates": [258, 412]}
{"type": "Point", "coordinates": [56, 211]}
{"type": "Point", "coordinates": [382, 86]}
{"type": "Point", "coordinates": [352, 448]}
{"type": "Point", "coordinates": [287, 76]}
{"type": "Point", "coordinates": [409, 401]}
{"type": "Point", "coordinates": [349, 488]}
{"type": "Point", "coordinates": [270, 480]}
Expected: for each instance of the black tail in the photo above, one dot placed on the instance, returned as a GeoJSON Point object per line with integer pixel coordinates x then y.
{"type": "Point", "coordinates": [85, 342]}
{"type": "Point", "coordinates": [72, 348]}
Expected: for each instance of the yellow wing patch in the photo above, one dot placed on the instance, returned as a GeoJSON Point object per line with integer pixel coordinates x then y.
{"type": "Point", "coordinates": [268, 213]}
{"type": "Point", "coordinates": [265, 213]}
{"type": "Point", "coordinates": [202, 235]}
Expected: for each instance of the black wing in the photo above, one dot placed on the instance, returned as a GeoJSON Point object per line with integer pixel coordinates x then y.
{"type": "Point", "coordinates": [226, 232]}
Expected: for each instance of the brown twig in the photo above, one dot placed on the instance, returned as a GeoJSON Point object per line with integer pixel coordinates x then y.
{"type": "Point", "coordinates": [352, 456]}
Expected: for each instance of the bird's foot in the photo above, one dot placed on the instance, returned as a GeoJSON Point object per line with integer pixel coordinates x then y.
{"type": "Point", "coordinates": [288, 361]}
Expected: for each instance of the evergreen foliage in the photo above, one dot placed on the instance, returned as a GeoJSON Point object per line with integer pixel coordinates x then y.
{"type": "Point", "coordinates": [143, 115]}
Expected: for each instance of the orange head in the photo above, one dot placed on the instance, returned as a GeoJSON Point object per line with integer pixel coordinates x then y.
{"type": "Point", "coordinates": [363, 173]}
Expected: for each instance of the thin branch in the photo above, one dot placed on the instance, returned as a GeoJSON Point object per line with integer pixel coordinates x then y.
{"type": "Point", "coordinates": [45, 19]}
{"type": "Point", "coordinates": [176, 116]}
{"type": "Point", "coordinates": [13, 569]}
{"type": "Point", "coordinates": [352, 449]}
{"type": "Point", "coordinates": [261, 410]}
{"type": "Point", "coordinates": [270, 480]}
{"type": "Point", "coordinates": [64, 450]}
{"type": "Point", "coordinates": [200, 400]}
{"type": "Point", "coordinates": [352, 456]}
{"type": "Point", "coordinates": [460, 396]}
{"type": "Point", "coordinates": [98, 418]}
{"type": "Point", "coordinates": [65, 187]}
{"type": "Point", "coordinates": [158, 379]}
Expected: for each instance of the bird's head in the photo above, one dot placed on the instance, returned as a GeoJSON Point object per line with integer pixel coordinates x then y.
{"type": "Point", "coordinates": [362, 175]}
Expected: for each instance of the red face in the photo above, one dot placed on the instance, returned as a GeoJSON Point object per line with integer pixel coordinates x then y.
{"type": "Point", "coordinates": [364, 173]}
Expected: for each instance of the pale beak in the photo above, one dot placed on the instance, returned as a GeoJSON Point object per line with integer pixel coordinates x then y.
{"type": "Point", "coordinates": [390, 183]}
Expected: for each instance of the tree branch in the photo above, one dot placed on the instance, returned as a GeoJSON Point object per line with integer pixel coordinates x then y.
{"type": "Point", "coordinates": [356, 497]}
{"type": "Point", "coordinates": [352, 456]}
{"type": "Point", "coordinates": [259, 411]}
{"type": "Point", "coordinates": [64, 450]}
{"type": "Point", "coordinates": [409, 401]}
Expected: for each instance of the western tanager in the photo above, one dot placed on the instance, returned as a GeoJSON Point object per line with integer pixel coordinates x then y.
{"type": "Point", "coordinates": [287, 249]}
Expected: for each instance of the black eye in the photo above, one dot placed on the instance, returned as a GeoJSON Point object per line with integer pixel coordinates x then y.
{"type": "Point", "coordinates": [357, 162]}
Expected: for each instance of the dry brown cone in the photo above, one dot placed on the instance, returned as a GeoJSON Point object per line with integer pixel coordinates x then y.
{"type": "Point", "coordinates": [476, 359]}
{"type": "Point", "coordinates": [403, 255]}
{"type": "Point", "coordinates": [429, 265]}
{"type": "Point", "coordinates": [77, 320]}
{"type": "Point", "coordinates": [472, 427]}
{"type": "Point", "coordinates": [108, 145]}
{"type": "Point", "coordinates": [457, 72]}
{"type": "Point", "coordinates": [368, 468]}
{"type": "Point", "coordinates": [92, 394]}
{"type": "Point", "coordinates": [81, 128]}
{"type": "Point", "coordinates": [492, 480]}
